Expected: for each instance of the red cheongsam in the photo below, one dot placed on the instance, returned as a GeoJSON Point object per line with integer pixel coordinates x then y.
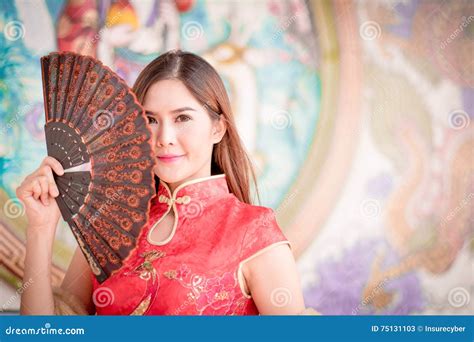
{"type": "Point", "coordinates": [197, 269]}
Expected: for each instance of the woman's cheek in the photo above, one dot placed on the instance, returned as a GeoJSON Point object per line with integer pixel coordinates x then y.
{"type": "Point", "coordinates": [154, 134]}
{"type": "Point", "coordinates": [188, 135]}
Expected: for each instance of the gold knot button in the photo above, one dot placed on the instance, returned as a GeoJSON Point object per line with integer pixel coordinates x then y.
{"type": "Point", "coordinates": [180, 200]}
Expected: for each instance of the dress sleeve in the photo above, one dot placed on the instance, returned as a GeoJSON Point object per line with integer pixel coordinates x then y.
{"type": "Point", "coordinates": [261, 234]}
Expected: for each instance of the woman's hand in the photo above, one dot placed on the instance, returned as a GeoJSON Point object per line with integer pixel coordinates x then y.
{"type": "Point", "coordinates": [37, 191]}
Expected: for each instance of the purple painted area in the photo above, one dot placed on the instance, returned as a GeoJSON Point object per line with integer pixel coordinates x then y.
{"type": "Point", "coordinates": [342, 281]}
{"type": "Point", "coordinates": [405, 13]}
{"type": "Point", "coordinates": [468, 101]}
{"type": "Point", "coordinates": [380, 186]}
{"type": "Point", "coordinates": [34, 122]}
{"type": "Point", "coordinates": [154, 14]}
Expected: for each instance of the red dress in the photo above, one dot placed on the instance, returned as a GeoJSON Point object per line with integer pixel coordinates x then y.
{"type": "Point", "coordinates": [197, 269]}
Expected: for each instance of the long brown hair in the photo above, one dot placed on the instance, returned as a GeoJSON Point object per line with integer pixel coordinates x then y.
{"type": "Point", "coordinates": [202, 80]}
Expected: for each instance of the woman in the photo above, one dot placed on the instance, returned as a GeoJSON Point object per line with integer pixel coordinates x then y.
{"type": "Point", "coordinates": [207, 249]}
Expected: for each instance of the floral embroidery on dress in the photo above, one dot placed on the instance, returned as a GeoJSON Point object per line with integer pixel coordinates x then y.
{"type": "Point", "coordinates": [219, 295]}
{"type": "Point", "coordinates": [187, 279]}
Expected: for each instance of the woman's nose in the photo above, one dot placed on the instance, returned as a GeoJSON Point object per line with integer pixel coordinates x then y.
{"type": "Point", "coordinates": [165, 135]}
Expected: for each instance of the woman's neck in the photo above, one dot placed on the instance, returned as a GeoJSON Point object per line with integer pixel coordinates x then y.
{"type": "Point", "coordinates": [173, 186]}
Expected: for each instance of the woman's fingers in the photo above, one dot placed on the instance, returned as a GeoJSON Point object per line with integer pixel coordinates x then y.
{"type": "Point", "coordinates": [35, 189]}
{"type": "Point", "coordinates": [43, 181]}
{"type": "Point", "coordinates": [47, 167]}
{"type": "Point", "coordinates": [41, 184]}
{"type": "Point", "coordinates": [53, 164]}
{"type": "Point", "coordinates": [53, 189]}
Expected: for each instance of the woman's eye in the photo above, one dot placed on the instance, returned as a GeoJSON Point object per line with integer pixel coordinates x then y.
{"type": "Point", "coordinates": [151, 120]}
{"type": "Point", "coordinates": [183, 118]}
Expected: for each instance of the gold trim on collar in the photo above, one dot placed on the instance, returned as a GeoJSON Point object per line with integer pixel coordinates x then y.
{"type": "Point", "coordinates": [189, 182]}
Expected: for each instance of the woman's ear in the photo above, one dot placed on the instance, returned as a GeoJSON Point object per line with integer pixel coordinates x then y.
{"type": "Point", "coordinates": [218, 130]}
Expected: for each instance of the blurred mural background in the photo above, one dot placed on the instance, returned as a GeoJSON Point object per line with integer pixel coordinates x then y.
{"type": "Point", "coordinates": [357, 114]}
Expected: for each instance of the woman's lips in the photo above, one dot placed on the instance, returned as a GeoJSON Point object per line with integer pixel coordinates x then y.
{"type": "Point", "coordinates": [169, 159]}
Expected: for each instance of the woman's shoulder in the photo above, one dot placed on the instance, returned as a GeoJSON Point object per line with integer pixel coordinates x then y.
{"type": "Point", "coordinates": [257, 226]}
{"type": "Point", "coordinates": [249, 209]}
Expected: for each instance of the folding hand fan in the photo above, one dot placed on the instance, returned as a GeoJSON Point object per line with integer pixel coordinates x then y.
{"type": "Point", "coordinates": [98, 131]}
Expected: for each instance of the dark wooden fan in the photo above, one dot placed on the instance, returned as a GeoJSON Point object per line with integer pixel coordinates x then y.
{"type": "Point", "coordinates": [98, 131]}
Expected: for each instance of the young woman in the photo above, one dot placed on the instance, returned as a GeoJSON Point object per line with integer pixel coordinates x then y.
{"type": "Point", "coordinates": [206, 250]}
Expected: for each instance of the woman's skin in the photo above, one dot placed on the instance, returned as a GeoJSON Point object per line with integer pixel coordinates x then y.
{"type": "Point", "coordinates": [180, 126]}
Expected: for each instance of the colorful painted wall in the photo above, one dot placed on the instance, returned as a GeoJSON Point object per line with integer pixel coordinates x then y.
{"type": "Point", "coordinates": [357, 115]}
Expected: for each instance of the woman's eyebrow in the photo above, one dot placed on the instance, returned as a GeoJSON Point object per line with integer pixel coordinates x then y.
{"type": "Point", "coordinates": [178, 110]}
{"type": "Point", "coordinates": [183, 109]}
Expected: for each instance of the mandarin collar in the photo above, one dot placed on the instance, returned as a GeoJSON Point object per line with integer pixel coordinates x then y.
{"type": "Point", "coordinates": [195, 190]}
{"type": "Point", "coordinates": [187, 201]}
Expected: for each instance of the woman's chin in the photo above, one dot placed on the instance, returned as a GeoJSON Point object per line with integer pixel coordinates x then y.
{"type": "Point", "coordinates": [167, 176]}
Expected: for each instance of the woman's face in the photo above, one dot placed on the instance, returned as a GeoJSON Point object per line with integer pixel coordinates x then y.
{"type": "Point", "coordinates": [183, 132]}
